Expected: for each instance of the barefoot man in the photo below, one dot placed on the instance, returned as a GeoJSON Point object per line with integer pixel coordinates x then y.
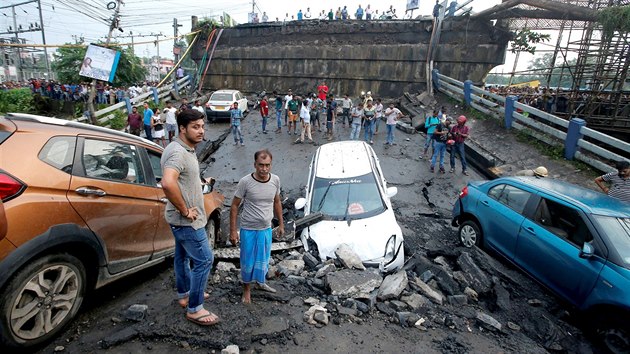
{"type": "Point", "coordinates": [260, 194]}
{"type": "Point", "coordinates": [186, 215]}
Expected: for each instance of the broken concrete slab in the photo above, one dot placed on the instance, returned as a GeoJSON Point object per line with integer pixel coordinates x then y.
{"type": "Point", "coordinates": [290, 267]}
{"type": "Point", "coordinates": [225, 267]}
{"type": "Point", "coordinates": [502, 296]}
{"type": "Point", "coordinates": [415, 301]}
{"type": "Point", "coordinates": [271, 325]}
{"type": "Point", "coordinates": [235, 252]}
{"type": "Point", "coordinates": [457, 300]}
{"type": "Point", "coordinates": [231, 349]}
{"type": "Point", "coordinates": [311, 301]}
{"type": "Point", "coordinates": [478, 279]}
{"type": "Point", "coordinates": [328, 268]}
{"type": "Point", "coordinates": [122, 336]}
{"type": "Point", "coordinates": [488, 322]}
{"type": "Point", "coordinates": [405, 127]}
{"type": "Point", "coordinates": [353, 283]}
{"type": "Point", "coordinates": [471, 294]}
{"type": "Point", "coordinates": [136, 312]}
{"type": "Point", "coordinates": [407, 319]}
{"type": "Point", "coordinates": [342, 310]}
{"type": "Point", "coordinates": [427, 291]}
{"type": "Point", "coordinates": [385, 308]}
{"type": "Point", "coordinates": [392, 286]}
{"type": "Point", "coordinates": [309, 315]}
{"type": "Point", "coordinates": [348, 257]}
{"type": "Point", "coordinates": [310, 261]}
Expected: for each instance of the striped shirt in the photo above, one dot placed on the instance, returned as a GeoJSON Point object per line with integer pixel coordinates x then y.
{"type": "Point", "coordinates": [619, 187]}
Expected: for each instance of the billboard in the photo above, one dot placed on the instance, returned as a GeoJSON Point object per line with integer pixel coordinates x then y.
{"type": "Point", "coordinates": [100, 63]}
{"type": "Point", "coordinates": [412, 4]}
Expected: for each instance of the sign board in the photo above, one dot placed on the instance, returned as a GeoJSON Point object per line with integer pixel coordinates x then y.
{"type": "Point", "coordinates": [100, 63]}
{"type": "Point", "coordinates": [412, 4]}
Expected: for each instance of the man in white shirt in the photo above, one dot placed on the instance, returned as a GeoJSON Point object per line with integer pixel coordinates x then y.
{"type": "Point", "coordinates": [200, 108]}
{"type": "Point", "coordinates": [171, 120]}
{"type": "Point", "coordinates": [288, 97]}
{"type": "Point", "coordinates": [307, 15]}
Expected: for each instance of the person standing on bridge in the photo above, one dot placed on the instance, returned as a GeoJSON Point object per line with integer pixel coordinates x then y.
{"type": "Point", "coordinates": [430, 124]}
{"type": "Point", "coordinates": [264, 113]}
{"type": "Point", "coordinates": [359, 13]}
{"type": "Point", "coordinates": [459, 133]}
{"type": "Point", "coordinates": [278, 111]}
{"type": "Point", "coordinates": [148, 121]}
{"type": "Point", "coordinates": [619, 182]}
{"type": "Point", "coordinates": [236, 115]}
{"type": "Point", "coordinates": [259, 193]}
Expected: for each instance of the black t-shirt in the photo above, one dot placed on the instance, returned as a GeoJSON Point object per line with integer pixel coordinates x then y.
{"type": "Point", "coordinates": [440, 128]}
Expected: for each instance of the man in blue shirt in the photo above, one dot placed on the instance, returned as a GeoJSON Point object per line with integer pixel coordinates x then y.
{"type": "Point", "coordinates": [148, 121]}
{"type": "Point", "coordinates": [235, 119]}
{"type": "Point", "coordinates": [430, 124]}
{"type": "Point", "coordinates": [279, 105]}
{"type": "Point", "coordinates": [300, 15]}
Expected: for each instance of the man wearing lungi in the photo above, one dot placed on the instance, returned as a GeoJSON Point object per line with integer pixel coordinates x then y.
{"type": "Point", "coordinates": [259, 193]}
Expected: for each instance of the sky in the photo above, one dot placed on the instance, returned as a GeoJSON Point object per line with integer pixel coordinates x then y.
{"type": "Point", "coordinates": [68, 20]}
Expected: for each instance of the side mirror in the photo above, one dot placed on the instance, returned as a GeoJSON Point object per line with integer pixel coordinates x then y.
{"type": "Point", "coordinates": [300, 203]}
{"type": "Point", "coordinates": [392, 191]}
{"type": "Point", "coordinates": [587, 250]}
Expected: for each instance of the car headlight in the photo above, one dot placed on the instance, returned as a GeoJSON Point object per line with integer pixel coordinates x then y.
{"type": "Point", "coordinates": [390, 249]}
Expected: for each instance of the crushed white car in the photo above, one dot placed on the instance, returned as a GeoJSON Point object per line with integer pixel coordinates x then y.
{"type": "Point", "coordinates": [346, 184]}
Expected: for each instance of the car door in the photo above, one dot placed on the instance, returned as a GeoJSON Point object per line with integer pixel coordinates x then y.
{"type": "Point", "coordinates": [242, 101]}
{"type": "Point", "coordinates": [164, 241]}
{"type": "Point", "coordinates": [108, 189]}
{"type": "Point", "coordinates": [549, 246]}
{"type": "Point", "coordinates": [500, 213]}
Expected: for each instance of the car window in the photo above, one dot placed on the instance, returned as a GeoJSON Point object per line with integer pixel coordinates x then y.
{"type": "Point", "coordinates": [59, 152]}
{"type": "Point", "coordinates": [154, 159]}
{"type": "Point", "coordinates": [354, 197]}
{"type": "Point", "coordinates": [563, 221]}
{"type": "Point", "coordinates": [221, 97]}
{"type": "Point", "coordinates": [113, 161]}
{"type": "Point", "coordinates": [618, 232]}
{"type": "Point", "coordinates": [495, 191]}
{"type": "Point", "coordinates": [513, 197]}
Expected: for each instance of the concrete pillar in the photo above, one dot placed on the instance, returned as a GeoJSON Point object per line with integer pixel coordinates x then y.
{"type": "Point", "coordinates": [509, 111]}
{"type": "Point", "coordinates": [435, 79]}
{"type": "Point", "coordinates": [156, 99]}
{"type": "Point", "coordinates": [128, 104]}
{"type": "Point", "coordinates": [468, 92]}
{"type": "Point", "coordinates": [573, 136]}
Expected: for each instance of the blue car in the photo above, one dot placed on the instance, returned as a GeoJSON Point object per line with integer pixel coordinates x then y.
{"type": "Point", "coordinates": [573, 240]}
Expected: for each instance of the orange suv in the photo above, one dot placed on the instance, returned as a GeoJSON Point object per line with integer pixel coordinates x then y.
{"type": "Point", "coordinates": [84, 206]}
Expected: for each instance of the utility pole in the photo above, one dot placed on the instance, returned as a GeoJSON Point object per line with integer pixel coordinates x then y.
{"type": "Point", "coordinates": [18, 61]}
{"type": "Point", "coordinates": [175, 26]}
{"type": "Point", "coordinates": [112, 27]}
{"type": "Point", "coordinates": [157, 43]}
{"type": "Point", "coordinates": [41, 21]}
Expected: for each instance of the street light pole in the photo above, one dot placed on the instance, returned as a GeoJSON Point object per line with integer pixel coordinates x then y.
{"type": "Point", "coordinates": [112, 27]}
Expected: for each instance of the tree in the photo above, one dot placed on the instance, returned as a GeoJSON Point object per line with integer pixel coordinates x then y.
{"type": "Point", "coordinates": [523, 39]}
{"type": "Point", "coordinates": [68, 61]}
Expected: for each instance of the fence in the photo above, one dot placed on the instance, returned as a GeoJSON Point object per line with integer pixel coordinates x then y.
{"type": "Point", "coordinates": [579, 141]}
{"type": "Point", "coordinates": [155, 94]}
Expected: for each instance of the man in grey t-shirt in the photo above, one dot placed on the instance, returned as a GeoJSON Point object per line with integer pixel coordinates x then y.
{"type": "Point", "coordinates": [260, 194]}
{"type": "Point", "coordinates": [185, 214]}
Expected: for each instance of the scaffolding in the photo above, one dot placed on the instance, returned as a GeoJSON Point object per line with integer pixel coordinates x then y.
{"type": "Point", "coordinates": [600, 91]}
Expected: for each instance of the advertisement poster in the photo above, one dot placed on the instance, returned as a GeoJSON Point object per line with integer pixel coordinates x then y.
{"type": "Point", "coordinates": [100, 63]}
{"type": "Point", "coordinates": [412, 5]}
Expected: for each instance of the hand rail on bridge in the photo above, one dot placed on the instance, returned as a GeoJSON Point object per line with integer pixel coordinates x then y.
{"type": "Point", "coordinates": [541, 125]}
{"type": "Point", "coordinates": [155, 94]}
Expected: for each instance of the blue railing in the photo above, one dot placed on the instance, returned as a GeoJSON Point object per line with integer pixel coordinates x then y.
{"type": "Point", "coordinates": [547, 128]}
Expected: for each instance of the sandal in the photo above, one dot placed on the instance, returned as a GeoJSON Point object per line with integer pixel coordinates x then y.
{"type": "Point", "coordinates": [199, 320]}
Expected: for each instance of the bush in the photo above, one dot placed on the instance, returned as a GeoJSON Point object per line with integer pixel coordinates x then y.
{"type": "Point", "coordinates": [17, 100]}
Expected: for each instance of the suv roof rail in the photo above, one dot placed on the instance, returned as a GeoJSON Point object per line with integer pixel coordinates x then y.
{"type": "Point", "coordinates": [68, 123]}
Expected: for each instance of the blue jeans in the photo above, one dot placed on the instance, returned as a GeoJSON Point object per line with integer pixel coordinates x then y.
{"type": "Point", "coordinates": [428, 142]}
{"type": "Point", "coordinates": [147, 132]}
{"type": "Point", "coordinates": [345, 116]}
{"type": "Point", "coordinates": [460, 149]}
{"type": "Point", "coordinates": [377, 122]}
{"type": "Point", "coordinates": [438, 149]}
{"type": "Point", "coordinates": [238, 135]}
{"type": "Point", "coordinates": [279, 117]}
{"type": "Point", "coordinates": [264, 123]}
{"type": "Point", "coordinates": [390, 134]}
{"type": "Point", "coordinates": [354, 133]}
{"type": "Point", "coordinates": [369, 130]}
{"type": "Point", "coordinates": [191, 244]}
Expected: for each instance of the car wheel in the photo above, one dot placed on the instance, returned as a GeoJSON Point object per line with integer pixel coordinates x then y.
{"type": "Point", "coordinates": [41, 299]}
{"type": "Point", "coordinates": [616, 339]}
{"type": "Point", "coordinates": [470, 233]}
{"type": "Point", "coordinates": [211, 230]}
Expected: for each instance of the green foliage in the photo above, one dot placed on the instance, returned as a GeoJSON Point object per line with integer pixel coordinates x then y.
{"type": "Point", "coordinates": [540, 67]}
{"type": "Point", "coordinates": [68, 62]}
{"type": "Point", "coordinates": [17, 100]}
{"type": "Point", "coordinates": [119, 121]}
{"type": "Point", "coordinates": [522, 40]}
{"type": "Point", "coordinates": [614, 18]}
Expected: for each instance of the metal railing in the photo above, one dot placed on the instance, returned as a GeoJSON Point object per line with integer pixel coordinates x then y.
{"type": "Point", "coordinates": [155, 94]}
{"type": "Point", "coordinates": [548, 128]}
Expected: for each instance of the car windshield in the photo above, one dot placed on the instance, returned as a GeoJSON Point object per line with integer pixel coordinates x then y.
{"type": "Point", "coordinates": [347, 198]}
{"type": "Point", "coordinates": [618, 231]}
{"type": "Point", "coordinates": [221, 97]}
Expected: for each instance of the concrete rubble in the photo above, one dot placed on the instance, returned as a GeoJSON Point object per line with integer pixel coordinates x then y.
{"type": "Point", "coordinates": [348, 257]}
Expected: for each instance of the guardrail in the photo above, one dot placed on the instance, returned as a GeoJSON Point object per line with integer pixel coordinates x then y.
{"type": "Point", "coordinates": [155, 94]}
{"type": "Point", "coordinates": [546, 127]}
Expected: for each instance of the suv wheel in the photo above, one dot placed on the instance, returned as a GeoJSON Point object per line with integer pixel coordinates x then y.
{"type": "Point", "coordinates": [41, 299]}
{"type": "Point", "coordinates": [469, 233]}
{"type": "Point", "coordinates": [616, 340]}
{"type": "Point", "coordinates": [211, 230]}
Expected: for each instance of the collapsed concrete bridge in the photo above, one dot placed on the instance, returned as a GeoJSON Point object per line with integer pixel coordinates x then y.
{"type": "Point", "coordinates": [386, 57]}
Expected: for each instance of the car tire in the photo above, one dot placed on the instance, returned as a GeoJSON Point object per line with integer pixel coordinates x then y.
{"type": "Point", "coordinates": [211, 230]}
{"type": "Point", "coordinates": [41, 299]}
{"type": "Point", "coordinates": [616, 338]}
{"type": "Point", "coordinates": [469, 234]}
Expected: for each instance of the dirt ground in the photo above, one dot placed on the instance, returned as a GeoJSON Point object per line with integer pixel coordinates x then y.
{"type": "Point", "coordinates": [531, 319]}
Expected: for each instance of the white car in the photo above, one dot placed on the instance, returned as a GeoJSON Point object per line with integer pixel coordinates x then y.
{"type": "Point", "coordinates": [346, 184]}
{"type": "Point", "coordinates": [220, 102]}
